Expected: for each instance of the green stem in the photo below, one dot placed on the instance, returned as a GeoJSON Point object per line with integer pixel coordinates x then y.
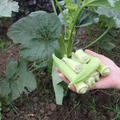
{"type": "Point", "coordinates": [61, 44]}
{"type": "Point", "coordinates": [69, 44]}
{"type": "Point", "coordinates": [99, 38]}
{"type": "Point", "coordinates": [53, 5]}
{"type": "Point", "coordinates": [87, 3]}
{"type": "Point", "coordinates": [69, 47]}
{"type": "Point", "coordinates": [58, 5]}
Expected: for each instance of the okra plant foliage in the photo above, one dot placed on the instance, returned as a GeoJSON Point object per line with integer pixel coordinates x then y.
{"type": "Point", "coordinates": [108, 8]}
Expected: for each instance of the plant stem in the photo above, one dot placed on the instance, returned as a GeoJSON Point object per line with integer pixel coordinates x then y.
{"type": "Point", "coordinates": [80, 1]}
{"type": "Point", "coordinates": [62, 45]}
{"type": "Point", "coordinates": [61, 11]}
{"type": "Point", "coordinates": [69, 47]}
{"type": "Point", "coordinates": [99, 38]}
{"type": "Point", "coordinates": [53, 5]}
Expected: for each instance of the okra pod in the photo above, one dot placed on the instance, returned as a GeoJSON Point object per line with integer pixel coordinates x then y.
{"type": "Point", "coordinates": [104, 70]}
{"type": "Point", "coordinates": [82, 56]}
{"type": "Point", "coordinates": [64, 69]}
{"type": "Point", "coordinates": [81, 88]}
{"type": "Point", "coordinates": [96, 75]}
{"type": "Point", "coordinates": [75, 66]}
{"type": "Point", "coordinates": [88, 69]}
{"type": "Point", "coordinates": [90, 81]}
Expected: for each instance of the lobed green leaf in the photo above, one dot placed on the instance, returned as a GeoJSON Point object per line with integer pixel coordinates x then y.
{"type": "Point", "coordinates": [38, 34]}
{"type": "Point", "coordinates": [7, 7]}
{"type": "Point", "coordinates": [16, 84]}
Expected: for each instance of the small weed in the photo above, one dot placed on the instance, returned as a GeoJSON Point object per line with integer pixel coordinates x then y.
{"type": "Point", "coordinates": [37, 66]}
{"type": "Point", "coordinates": [114, 108]}
{"type": "Point", "coordinates": [92, 108]}
{"type": "Point", "coordinates": [2, 44]}
{"type": "Point", "coordinates": [39, 117]}
{"type": "Point", "coordinates": [8, 103]}
{"type": "Point", "coordinates": [50, 63]}
{"type": "Point", "coordinates": [76, 105]}
{"type": "Point", "coordinates": [116, 95]}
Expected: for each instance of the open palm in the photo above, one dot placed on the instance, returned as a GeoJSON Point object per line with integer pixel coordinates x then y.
{"type": "Point", "coordinates": [111, 81]}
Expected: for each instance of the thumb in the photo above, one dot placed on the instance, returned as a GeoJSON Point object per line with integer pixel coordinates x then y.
{"type": "Point", "coordinates": [92, 53]}
{"type": "Point", "coordinates": [103, 84]}
{"type": "Point", "coordinates": [72, 87]}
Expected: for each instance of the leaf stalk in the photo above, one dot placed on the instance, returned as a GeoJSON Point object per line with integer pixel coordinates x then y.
{"type": "Point", "coordinates": [53, 5]}
{"type": "Point", "coordinates": [98, 39]}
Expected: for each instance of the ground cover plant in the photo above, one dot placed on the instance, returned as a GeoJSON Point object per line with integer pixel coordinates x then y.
{"type": "Point", "coordinates": [41, 34]}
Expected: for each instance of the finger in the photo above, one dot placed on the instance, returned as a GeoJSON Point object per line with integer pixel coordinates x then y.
{"type": "Point", "coordinates": [58, 70]}
{"type": "Point", "coordinates": [72, 87]}
{"type": "Point", "coordinates": [64, 78]}
{"type": "Point", "coordinates": [103, 84]}
{"type": "Point", "coordinates": [92, 53]}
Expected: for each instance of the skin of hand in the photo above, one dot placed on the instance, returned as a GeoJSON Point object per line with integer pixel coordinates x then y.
{"type": "Point", "coordinates": [111, 81]}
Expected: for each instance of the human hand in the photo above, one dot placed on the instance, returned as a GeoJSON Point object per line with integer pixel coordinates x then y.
{"type": "Point", "coordinates": [111, 81]}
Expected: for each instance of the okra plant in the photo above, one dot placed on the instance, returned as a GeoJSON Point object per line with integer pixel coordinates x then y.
{"type": "Point", "coordinates": [73, 11]}
{"type": "Point", "coordinates": [40, 35]}
{"type": "Point", "coordinates": [81, 69]}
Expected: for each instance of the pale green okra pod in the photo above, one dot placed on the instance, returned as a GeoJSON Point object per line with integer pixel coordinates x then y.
{"type": "Point", "coordinates": [90, 82]}
{"type": "Point", "coordinates": [96, 75]}
{"type": "Point", "coordinates": [88, 69]}
{"type": "Point", "coordinates": [74, 57]}
{"type": "Point", "coordinates": [75, 66]}
{"type": "Point", "coordinates": [81, 87]}
{"type": "Point", "coordinates": [82, 56]}
{"type": "Point", "coordinates": [64, 69]}
{"type": "Point", "coordinates": [104, 70]}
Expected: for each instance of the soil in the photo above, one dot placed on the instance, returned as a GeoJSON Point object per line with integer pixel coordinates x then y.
{"type": "Point", "coordinates": [40, 104]}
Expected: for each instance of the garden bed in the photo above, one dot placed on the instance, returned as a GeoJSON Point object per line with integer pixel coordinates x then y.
{"type": "Point", "coordinates": [40, 104]}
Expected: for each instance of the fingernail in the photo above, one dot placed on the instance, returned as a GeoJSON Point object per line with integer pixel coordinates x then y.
{"type": "Point", "coordinates": [69, 86]}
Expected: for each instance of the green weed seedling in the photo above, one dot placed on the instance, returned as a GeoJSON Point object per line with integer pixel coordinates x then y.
{"type": "Point", "coordinates": [114, 108]}
{"type": "Point", "coordinates": [77, 105]}
{"type": "Point", "coordinates": [2, 44]}
{"type": "Point", "coordinates": [92, 107]}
